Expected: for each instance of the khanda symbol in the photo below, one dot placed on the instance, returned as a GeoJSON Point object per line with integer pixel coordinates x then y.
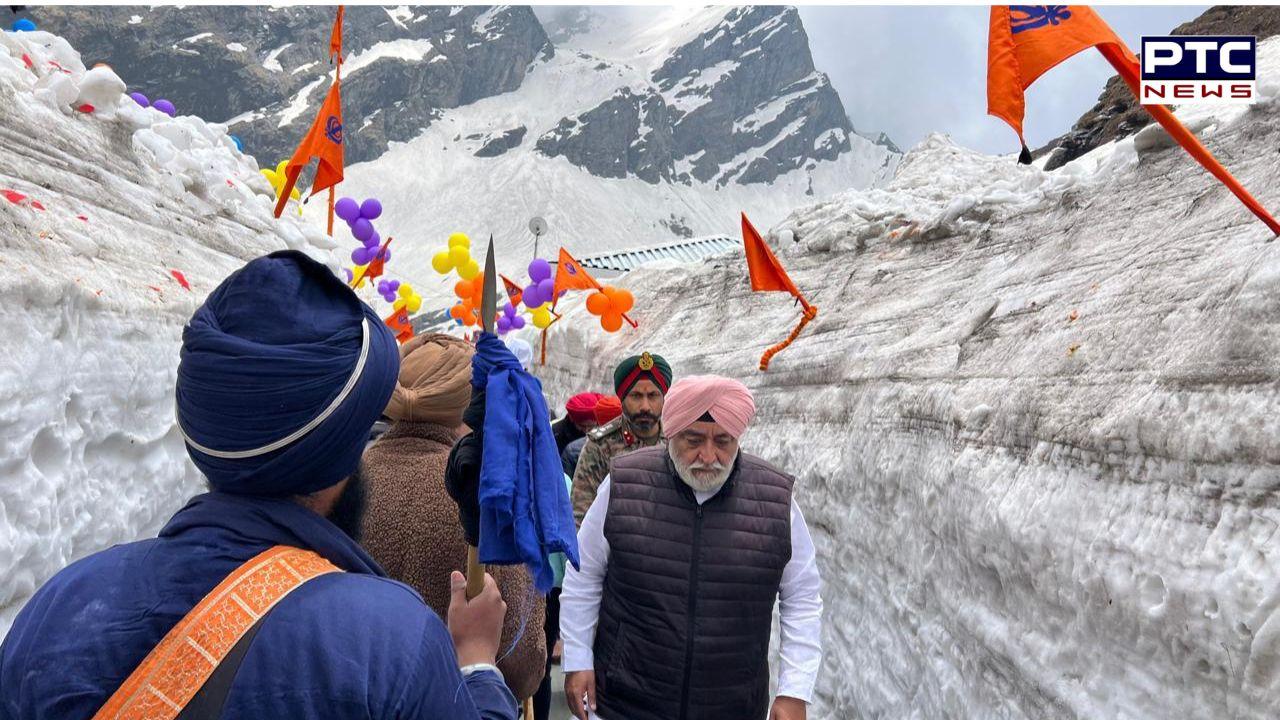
{"type": "Point", "coordinates": [333, 129]}
{"type": "Point", "coordinates": [1030, 17]}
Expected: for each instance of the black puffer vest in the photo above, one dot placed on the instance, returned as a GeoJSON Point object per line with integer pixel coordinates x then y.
{"type": "Point", "coordinates": [689, 592]}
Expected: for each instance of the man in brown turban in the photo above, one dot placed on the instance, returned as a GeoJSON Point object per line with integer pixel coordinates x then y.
{"type": "Point", "coordinates": [412, 528]}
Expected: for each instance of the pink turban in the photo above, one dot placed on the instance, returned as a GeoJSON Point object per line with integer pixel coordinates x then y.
{"type": "Point", "coordinates": [728, 402]}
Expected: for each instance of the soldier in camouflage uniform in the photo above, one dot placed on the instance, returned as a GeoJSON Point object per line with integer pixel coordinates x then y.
{"type": "Point", "coordinates": [641, 382]}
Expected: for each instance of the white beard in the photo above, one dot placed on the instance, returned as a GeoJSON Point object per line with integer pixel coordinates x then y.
{"type": "Point", "coordinates": [704, 483]}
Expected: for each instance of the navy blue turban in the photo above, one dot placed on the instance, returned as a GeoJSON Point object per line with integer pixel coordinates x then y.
{"type": "Point", "coordinates": [283, 372]}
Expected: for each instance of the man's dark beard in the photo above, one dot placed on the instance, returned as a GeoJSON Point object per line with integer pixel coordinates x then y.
{"type": "Point", "coordinates": [348, 512]}
{"type": "Point", "coordinates": [644, 421]}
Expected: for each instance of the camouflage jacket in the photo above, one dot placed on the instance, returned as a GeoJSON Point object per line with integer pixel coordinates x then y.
{"type": "Point", "coordinates": [603, 444]}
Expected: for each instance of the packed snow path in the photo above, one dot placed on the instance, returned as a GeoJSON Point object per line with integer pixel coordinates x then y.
{"type": "Point", "coordinates": [1036, 434]}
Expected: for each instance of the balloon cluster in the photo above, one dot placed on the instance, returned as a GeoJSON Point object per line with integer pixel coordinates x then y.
{"type": "Point", "coordinates": [457, 256]}
{"type": "Point", "coordinates": [470, 296]}
{"type": "Point", "coordinates": [411, 300]}
{"type": "Point", "coordinates": [359, 218]}
{"type": "Point", "coordinates": [542, 288]}
{"type": "Point", "coordinates": [162, 105]}
{"type": "Point", "coordinates": [609, 303]}
{"type": "Point", "coordinates": [277, 179]}
{"type": "Point", "coordinates": [388, 289]}
{"type": "Point", "coordinates": [509, 320]}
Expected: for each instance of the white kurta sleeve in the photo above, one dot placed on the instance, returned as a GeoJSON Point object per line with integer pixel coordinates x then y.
{"type": "Point", "coordinates": [580, 597]}
{"type": "Point", "coordinates": [800, 608]}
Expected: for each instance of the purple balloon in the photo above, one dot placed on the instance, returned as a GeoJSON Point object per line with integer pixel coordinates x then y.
{"type": "Point", "coordinates": [373, 240]}
{"type": "Point", "coordinates": [394, 285]}
{"type": "Point", "coordinates": [531, 298]}
{"type": "Point", "coordinates": [359, 257]}
{"type": "Point", "coordinates": [382, 287]}
{"type": "Point", "coordinates": [347, 209]}
{"type": "Point", "coordinates": [546, 289]}
{"type": "Point", "coordinates": [370, 209]}
{"type": "Point", "coordinates": [362, 229]}
{"type": "Point", "coordinates": [517, 322]}
{"type": "Point", "coordinates": [504, 324]}
{"type": "Point", "coordinates": [350, 276]}
{"type": "Point", "coordinates": [389, 297]}
{"type": "Point", "coordinates": [140, 99]}
{"type": "Point", "coordinates": [386, 255]}
{"type": "Point", "coordinates": [165, 107]}
{"type": "Point", "coordinates": [539, 270]}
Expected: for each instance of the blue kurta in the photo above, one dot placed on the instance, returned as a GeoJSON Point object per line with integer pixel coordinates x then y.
{"type": "Point", "coordinates": [345, 645]}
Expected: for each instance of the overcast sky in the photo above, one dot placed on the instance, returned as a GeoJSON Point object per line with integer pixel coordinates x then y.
{"type": "Point", "coordinates": [910, 71]}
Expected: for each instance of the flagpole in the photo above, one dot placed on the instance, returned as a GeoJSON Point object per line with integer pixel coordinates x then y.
{"type": "Point", "coordinates": [331, 193]}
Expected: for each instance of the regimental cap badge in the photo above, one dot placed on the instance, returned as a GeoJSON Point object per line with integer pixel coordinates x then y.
{"type": "Point", "coordinates": [646, 362]}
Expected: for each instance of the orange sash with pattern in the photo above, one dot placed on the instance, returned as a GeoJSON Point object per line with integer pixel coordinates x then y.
{"type": "Point", "coordinates": [175, 670]}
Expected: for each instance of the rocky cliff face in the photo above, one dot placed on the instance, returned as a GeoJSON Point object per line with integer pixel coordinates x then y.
{"type": "Point", "coordinates": [1118, 113]}
{"type": "Point", "coordinates": [733, 98]}
{"type": "Point", "coordinates": [739, 100]}
{"type": "Point", "coordinates": [264, 70]}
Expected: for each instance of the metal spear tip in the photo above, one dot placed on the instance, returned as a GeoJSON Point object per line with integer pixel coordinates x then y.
{"type": "Point", "coordinates": [489, 296]}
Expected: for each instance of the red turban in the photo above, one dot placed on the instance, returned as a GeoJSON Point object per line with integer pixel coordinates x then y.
{"type": "Point", "coordinates": [728, 402]}
{"type": "Point", "coordinates": [607, 409]}
{"type": "Point", "coordinates": [581, 407]}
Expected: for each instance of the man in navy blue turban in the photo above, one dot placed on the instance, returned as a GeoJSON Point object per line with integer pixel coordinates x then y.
{"type": "Point", "coordinates": [283, 371]}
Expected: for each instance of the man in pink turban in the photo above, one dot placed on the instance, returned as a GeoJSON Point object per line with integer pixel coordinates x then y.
{"type": "Point", "coordinates": [684, 553]}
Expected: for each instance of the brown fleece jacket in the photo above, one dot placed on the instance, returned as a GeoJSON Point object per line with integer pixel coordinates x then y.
{"type": "Point", "coordinates": [412, 530]}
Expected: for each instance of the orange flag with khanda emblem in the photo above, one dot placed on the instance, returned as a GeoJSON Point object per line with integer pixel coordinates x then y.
{"type": "Point", "coordinates": [767, 275]}
{"type": "Point", "coordinates": [570, 275]}
{"type": "Point", "coordinates": [1026, 41]}
{"type": "Point", "coordinates": [324, 140]}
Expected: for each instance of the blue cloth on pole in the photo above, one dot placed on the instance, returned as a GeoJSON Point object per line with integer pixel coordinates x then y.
{"type": "Point", "coordinates": [525, 515]}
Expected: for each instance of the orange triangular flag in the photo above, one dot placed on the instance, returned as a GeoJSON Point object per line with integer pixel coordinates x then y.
{"type": "Point", "coordinates": [1025, 41]}
{"type": "Point", "coordinates": [323, 141]}
{"type": "Point", "coordinates": [570, 275]}
{"type": "Point", "coordinates": [399, 323]}
{"type": "Point", "coordinates": [767, 274]}
{"type": "Point", "coordinates": [514, 293]}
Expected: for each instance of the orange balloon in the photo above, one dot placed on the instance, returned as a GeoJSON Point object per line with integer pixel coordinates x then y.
{"type": "Point", "coordinates": [623, 300]}
{"type": "Point", "coordinates": [598, 303]}
{"type": "Point", "coordinates": [462, 289]}
{"type": "Point", "coordinates": [456, 312]}
{"type": "Point", "coordinates": [611, 322]}
{"type": "Point", "coordinates": [609, 291]}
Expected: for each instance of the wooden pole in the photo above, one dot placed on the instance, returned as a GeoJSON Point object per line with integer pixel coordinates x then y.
{"type": "Point", "coordinates": [331, 194]}
{"type": "Point", "coordinates": [475, 572]}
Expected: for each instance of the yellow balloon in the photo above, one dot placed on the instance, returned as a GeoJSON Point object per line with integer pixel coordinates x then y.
{"type": "Point", "coordinates": [406, 290]}
{"type": "Point", "coordinates": [542, 319]}
{"type": "Point", "coordinates": [280, 169]}
{"type": "Point", "coordinates": [295, 194]}
{"type": "Point", "coordinates": [459, 256]}
{"type": "Point", "coordinates": [459, 240]}
{"type": "Point", "coordinates": [441, 262]}
{"type": "Point", "coordinates": [415, 304]}
{"type": "Point", "coordinates": [470, 270]}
